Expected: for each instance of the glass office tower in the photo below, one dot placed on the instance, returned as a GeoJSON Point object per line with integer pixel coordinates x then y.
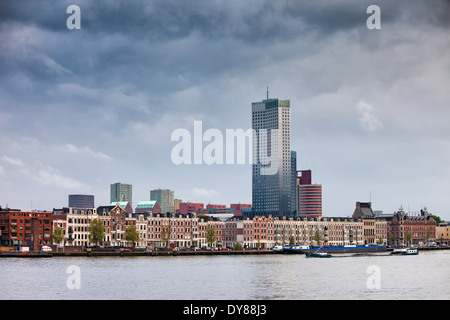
{"type": "Point", "coordinates": [165, 199]}
{"type": "Point", "coordinates": [271, 162]}
{"type": "Point", "coordinates": [121, 192]}
{"type": "Point", "coordinates": [81, 201]}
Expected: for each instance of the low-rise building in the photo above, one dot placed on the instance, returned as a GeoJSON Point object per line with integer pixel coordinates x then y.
{"type": "Point", "coordinates": [74, 223]}
{"type": "Point", "coordinates": [408, 229]}
{"type": "Point", "coordinates": [25, 228]}
{"type": "Point", "coordinates": [442, 234]}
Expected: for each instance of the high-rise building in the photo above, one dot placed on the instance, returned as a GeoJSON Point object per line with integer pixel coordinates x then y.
{"type": "Point", "coordinates": [294, 193]}
{"type": "Point", "coordinates": [165, 199]}
{"type": "Point", "coordinates": [309, 196]}
{"type": "Point", "coordinates": [81, 201]}
{"type": "Point", "coordinates": [121, 192]}
{"type": "Point", "coordinates": [271, 165]}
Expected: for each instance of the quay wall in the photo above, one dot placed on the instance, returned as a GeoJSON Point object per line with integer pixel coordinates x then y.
{"type": "Point", "coordinates": [143, 253]}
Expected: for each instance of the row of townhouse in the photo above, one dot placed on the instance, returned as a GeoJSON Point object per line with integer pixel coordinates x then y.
{"type": "Point", "coordinates": [185, 230]}
{"type": "Point", "coordinates": [188, 230]}
{"type": "Point", "coordinates": [17, 228]}
{"type": "Point", "coordinates": [266, 232]}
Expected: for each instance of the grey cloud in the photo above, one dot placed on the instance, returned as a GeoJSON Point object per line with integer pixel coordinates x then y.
{"type": "Point", "coordinates": [137, 70]}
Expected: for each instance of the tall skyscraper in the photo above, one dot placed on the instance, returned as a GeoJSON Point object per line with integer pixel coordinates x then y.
{"type": "Point", "coordinates": [121, 192]}
{"type": "Point", "coordinates": [271, 163]}
{"type": "Point", "coordinates": [309, 196]}
{"type": "Point", "coordinates": [165, 199]}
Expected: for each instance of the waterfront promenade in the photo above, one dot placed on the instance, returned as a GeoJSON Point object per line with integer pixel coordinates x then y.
{"type": "Point", "coordinates": [152, 253]}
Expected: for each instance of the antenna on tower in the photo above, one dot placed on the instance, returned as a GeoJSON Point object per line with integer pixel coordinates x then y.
{"type": "Point", "coordinates": [267, 92]}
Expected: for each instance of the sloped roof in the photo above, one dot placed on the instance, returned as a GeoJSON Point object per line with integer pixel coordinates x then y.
{"type": "Point", "coordinates": [146, 204]}
{"type": "Point", "coordinates": [363, 210]}
{"type": "Point", "coordinates": [122, 204]}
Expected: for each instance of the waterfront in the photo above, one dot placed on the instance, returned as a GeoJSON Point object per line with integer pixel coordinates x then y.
{"type": "Point", "coordinates": [255, 277]}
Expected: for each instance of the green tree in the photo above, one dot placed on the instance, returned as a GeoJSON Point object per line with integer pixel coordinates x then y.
{"type": "Point", "coordinates": [210, 235]}
{"type": "Point", "coordinates": [96, 231]}
{"type": "Point", "coordinates": [165, 234]}
{"type": "Point", "coordinates": [393, 238]}
{"type": "Point", "coordinates": [408, 237]}
{"type": "Point", "coordinates": [317, 237]}
{"type": "Point", "coordinates": [57, 235]}
{"type": "Point", "coordinates": [427, 235]}
{"type": "Point", "coordinates": [238, 246]}
{"type": "Point", "coordinates": [436, 218]}
{"type": "Point", "coordinates": [291, 240]}
{"type": "Point", "coordinates": [131, 234]}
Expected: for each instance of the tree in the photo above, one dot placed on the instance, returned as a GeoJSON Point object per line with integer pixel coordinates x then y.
{"type": "Point", "coordinates": [436, 218]}
{"type": "Point", "coordinates": [210, 235]}
{"type": "Point", "coordinates": [96, 231]}
{"type": "Point", "coordinates": [408, 237]}
{"type": "Point", "coordinates": [318, 237]}
{"type": "Point", "coordinates": [238, 246]}
{"type": "Point", "coordinates": [427, 235]}
{"type": "Point", "coordinates": [131, 234]}
{"type": "Point", "coordinates": [57, 235]}
{"type": "Point", "coordinates": [393, 238]}
{"type": "Point", "coordinates": [291, 240]}
{"type": "Point", "coordinates": [165, 234]}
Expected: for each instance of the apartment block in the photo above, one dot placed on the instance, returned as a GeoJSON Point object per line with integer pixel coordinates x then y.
{"type": "Point", "coordinates": [25, 228]}
{"type": "Point", "coordinates": [74, 223]}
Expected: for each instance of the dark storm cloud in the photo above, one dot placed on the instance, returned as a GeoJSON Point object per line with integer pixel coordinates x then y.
{"type": "Point", "coordinates": [114, 90]}
{"type": "Point", "coordinates": [250, 20]}
{"type": "Point", "coordinates": [130, 39]}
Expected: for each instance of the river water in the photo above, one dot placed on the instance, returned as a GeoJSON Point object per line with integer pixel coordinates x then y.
{"type": "Point", "coordinates": [249, 277]}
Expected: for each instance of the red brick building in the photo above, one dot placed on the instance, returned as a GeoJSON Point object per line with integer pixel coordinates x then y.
{"type": "Point", "coordinates": [20, 228]}
{"type": "Point", "coordinates": [406, 229]}
{"type": "Point", "coordinates": [190, 207]}
{"type": "Point", "coordinates": [238, 208]}
{"type": "Point", "coordinates": [263, 231]}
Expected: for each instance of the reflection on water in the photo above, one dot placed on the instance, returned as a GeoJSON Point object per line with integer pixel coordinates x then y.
{"type": "Point", "coordinates": [228, 277]}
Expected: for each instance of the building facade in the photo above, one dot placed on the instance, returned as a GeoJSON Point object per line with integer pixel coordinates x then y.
{"type": "Point", "coordinates": [271, 165]}
{"type": "Point", "coordinates": [407, 229]}
{"type": "Point", "coordinates": [294, 192]}
{"type": "Point", "coordinates": [74, 223]}
{"type": "Point", "coordinates": [20, 228]}
{"type": "Point", "coordinates": [190, 207]}
{"type": "Point", "coordinates": [174, 230]}
{"type": "Point", "coordinates": [364, 212]}
{"type": "Point", "coordinates": [309, 196]}
{"type": "Point", "coordinates": [147, 207]}
{"type": "Point", "coordinates": [165, 199]}
{"type": "Point", "coordinates": [121, 192]}
{"type": "Point", "coordinates": [442, 234]}
{"type": "Point", "coordinates": [81, 201]}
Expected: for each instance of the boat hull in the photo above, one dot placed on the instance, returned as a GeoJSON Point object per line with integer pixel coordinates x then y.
{"type": "Point", "coordinates": [318, 255]}
{"type": "Point", "coordinates": [411, 252]}
{"type": "Point", "coordinates": [349, 249]}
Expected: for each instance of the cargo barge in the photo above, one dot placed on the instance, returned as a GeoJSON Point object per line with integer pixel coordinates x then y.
{"type": "Point", "coordinates": [335, 249]}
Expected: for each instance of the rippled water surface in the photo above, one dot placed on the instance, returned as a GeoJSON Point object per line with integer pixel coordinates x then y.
{"type": "Point", "coordinates": [264, 277]}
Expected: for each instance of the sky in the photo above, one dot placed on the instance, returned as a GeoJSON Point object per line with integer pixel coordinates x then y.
{"type": "Point", "coordinates": [81, 109]}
